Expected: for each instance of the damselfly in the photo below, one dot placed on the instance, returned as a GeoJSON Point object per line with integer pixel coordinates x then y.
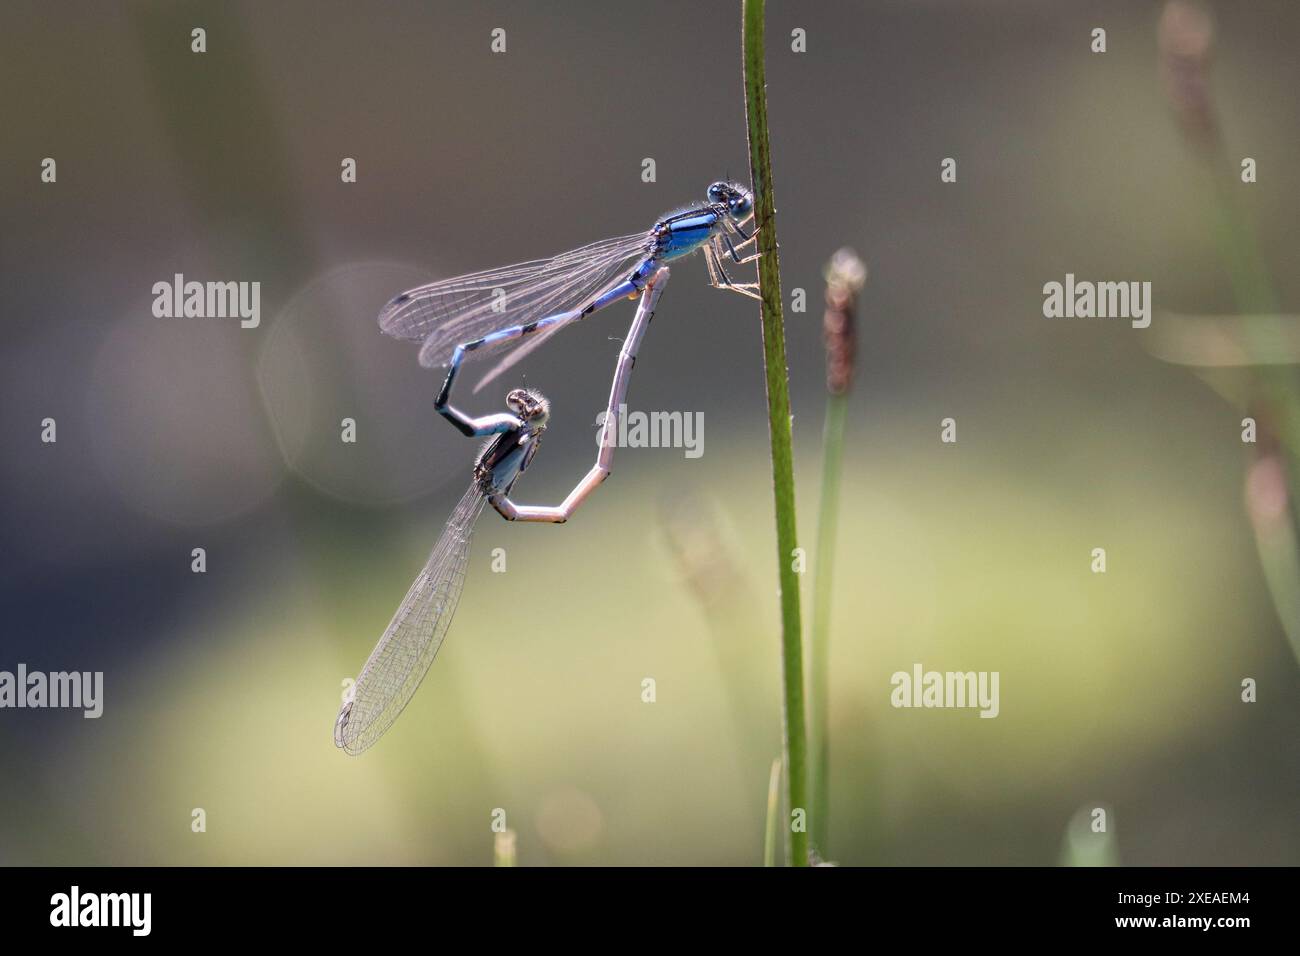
{"type": "Point", "coordinates": [519, 307]}
{"type": "Point", "coordinates": [408, 646]}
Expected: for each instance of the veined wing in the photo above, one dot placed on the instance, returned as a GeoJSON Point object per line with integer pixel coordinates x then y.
{"type": "Point", "coordinates": [442, 315]}
{"type": "Point", "coordinates": [405, 652]}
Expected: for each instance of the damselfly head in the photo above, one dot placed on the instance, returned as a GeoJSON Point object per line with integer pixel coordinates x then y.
{"type": "Point", "coordinates": [530, 405]}
{"type": "Point", "coordinates": [738, 200]}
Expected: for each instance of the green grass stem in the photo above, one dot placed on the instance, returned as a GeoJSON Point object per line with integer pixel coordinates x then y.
{"type": "Point", "coordinates": [778, 413]}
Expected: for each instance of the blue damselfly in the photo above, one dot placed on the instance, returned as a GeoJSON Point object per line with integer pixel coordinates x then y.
{"type": "Point", "coordinates": [519, 307]}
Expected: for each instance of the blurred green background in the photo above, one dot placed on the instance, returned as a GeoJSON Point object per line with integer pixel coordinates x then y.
{"type": "Point", "coordinates": [1118, 690]}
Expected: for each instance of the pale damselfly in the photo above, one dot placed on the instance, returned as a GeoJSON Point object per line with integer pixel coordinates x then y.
{"type": "Point", "coordinates": [408, 646]}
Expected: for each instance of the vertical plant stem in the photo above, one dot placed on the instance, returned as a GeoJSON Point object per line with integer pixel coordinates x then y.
{"type": "Point", "coordinates": [778, 413]}
{"type": "Point", "coordinates": [772, 831]}
{"type": "Point", "coordinates": [823, 563]}
{"type": "Point", "coordinates": [845, 274]}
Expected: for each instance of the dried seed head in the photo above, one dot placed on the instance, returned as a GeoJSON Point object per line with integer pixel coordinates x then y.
{"type": "Point", "coordinates": [845, 276]}
{"type": "Point", "coordinates": [1185, 37]}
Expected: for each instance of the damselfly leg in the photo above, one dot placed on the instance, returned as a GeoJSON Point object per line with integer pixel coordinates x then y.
{"type": "Point", "coordinates": [718, 277]}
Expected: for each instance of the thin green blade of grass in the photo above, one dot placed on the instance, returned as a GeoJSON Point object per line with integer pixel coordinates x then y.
{"type": "Point", "coordinates": [772, 830]}
{"type": "Point", "coordinates": [823, 567]}
{"type": "Point", "coordinates": [778, 412]}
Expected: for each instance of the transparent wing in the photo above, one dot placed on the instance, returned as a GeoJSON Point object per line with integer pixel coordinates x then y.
{"type": "Point", "coordinates": [403, 655]}
{"type": "Point", "coordinates": [445, 314]}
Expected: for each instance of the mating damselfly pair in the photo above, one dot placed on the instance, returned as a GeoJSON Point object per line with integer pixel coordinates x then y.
{"type": "Point", "coordinates": [508, 312]}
